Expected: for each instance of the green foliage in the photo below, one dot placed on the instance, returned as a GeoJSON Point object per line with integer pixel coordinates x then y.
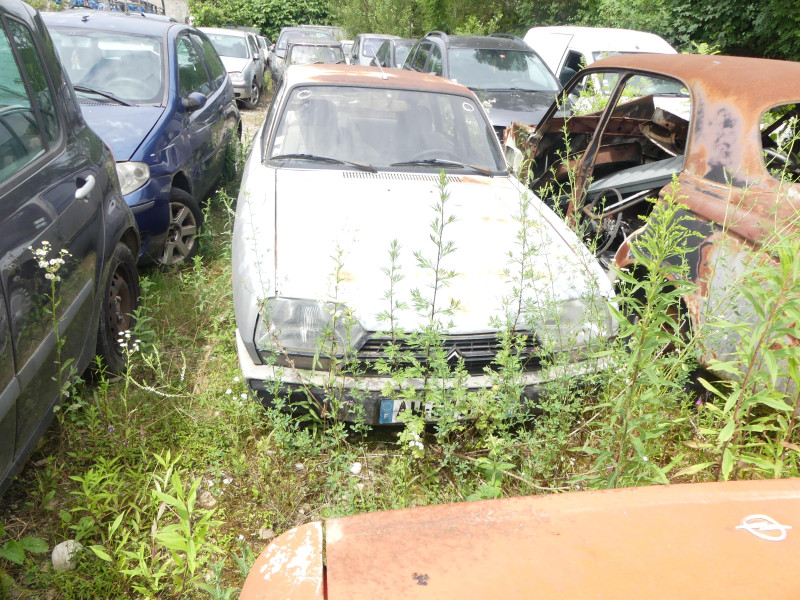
{"type": "Point", "coordinates": [268, 16]}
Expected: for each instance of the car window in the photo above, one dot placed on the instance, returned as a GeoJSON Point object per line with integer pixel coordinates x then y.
{"type": "Point", "coordinates": [400, 54]}
{"type": "Point", "coordinates": [574, 62]}
{"type": "Point", "coordinates": [213, 61]}
{"type": "Point", "coordinates": [383, 54]}
{"type": "Point", "coordinates": [421, 57]}
{"type": "Point", "coordinates": [253, 47]}
{"type": "Point", "coordinates": [381, 127]}
{"type": "Point", "coordinates": [228, 45]}
{"type": "Point", "coordinates": [22, 137]}
{"type": "Point", "coordinates": [192, 76]}
{"type": "Point", "coordinates": [435, 61]}
{"type": "Point", "coordinates": [780, 142]}
{"type": "Point", "coordinates": [481, 68]}
{"type": "Point", "coordinates": [127, 66]}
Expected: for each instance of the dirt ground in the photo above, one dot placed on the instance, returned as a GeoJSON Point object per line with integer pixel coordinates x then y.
{"type": "Point", "coordinates": [253, 118]}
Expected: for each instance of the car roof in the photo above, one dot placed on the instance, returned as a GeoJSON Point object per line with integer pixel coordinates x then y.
{"type": "Point", "coordinates": [371, 76]}
{"type": "Point", "coordinates": [99, 19]}
{"type": "Point", "coordinates": [485, 42]}
{"type": "Point", "coordinates": [599, 39]}
{"type": "Point", "coordinates": [739, 81]}
{"type": "Point", "coordinates": [19, 9]}
{"type": "Point", "coordinates": [224, 31]}
{"type": "Point", "coordinates": [312, 41]}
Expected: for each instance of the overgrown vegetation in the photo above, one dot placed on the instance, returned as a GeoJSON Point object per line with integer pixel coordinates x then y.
{"type": "Point", "coordinates": [173, 479]}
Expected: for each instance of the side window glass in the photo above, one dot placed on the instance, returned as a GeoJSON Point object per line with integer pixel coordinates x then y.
{"type": "Point", "coordinates": [251, 42]}
{"type": "Point", "coordinates": [21, 137]}
{"type": "Point", "coordinates": [780, 142]}
{"type": "Point", "coordinates": [213, 60]}
{"type": "Point", "coordinates": [435, 62]}
{"type": "Point", "coordinates": [590, 94]}
{"type": "Point", "coordinates": [575, 62]}
{"type": "Point", "coordinates": [192, 75]}
{"type": "Point", "coordinates": [35, 70]}
{"type": "Point", "coordinates": [421, 57]}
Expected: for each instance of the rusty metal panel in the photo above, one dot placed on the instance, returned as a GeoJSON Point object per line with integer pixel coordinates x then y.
{"type": "Point", "coordinates": [290, 568]}
{"type": "Point", "coordinates": [679, 541]}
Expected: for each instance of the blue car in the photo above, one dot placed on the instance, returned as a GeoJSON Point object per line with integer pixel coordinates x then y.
{"type": "Point", "coordinates": [158, 94]}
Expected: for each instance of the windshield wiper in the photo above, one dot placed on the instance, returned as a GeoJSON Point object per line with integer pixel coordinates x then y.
{"type": "Point", "coordinates": [440, 162]}
{"type": "Point", "coordinates": [325, 159]}
{"type": "Point", "coordinates": [109, 95]}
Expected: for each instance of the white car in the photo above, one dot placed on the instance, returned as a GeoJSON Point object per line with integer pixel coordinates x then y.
{"type": "Point", "coordinates": [350, 159]}
{"type": "Point", "coordinates": [568, 49]}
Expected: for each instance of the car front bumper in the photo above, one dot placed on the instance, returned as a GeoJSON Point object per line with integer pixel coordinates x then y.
{"type": "Point", "coordinates": [367, 397]}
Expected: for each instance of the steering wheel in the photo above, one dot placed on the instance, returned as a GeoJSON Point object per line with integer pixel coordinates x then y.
{"type": "Point", "coordinates": [437, 153]}
{"type": "Point", "coordinates": [785, 162]}
{"type": "Point", "coordinates": [123, 83]}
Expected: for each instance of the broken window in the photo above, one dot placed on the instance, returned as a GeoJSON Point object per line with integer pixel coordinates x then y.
{"type": "Point", "coordinates": [780, 131]}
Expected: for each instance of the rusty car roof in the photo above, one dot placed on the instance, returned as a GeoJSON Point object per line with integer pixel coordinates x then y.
{"type": "Point", "coordinates": [750, 82]}
{"type": "Point", "coordinates": [371, 76]}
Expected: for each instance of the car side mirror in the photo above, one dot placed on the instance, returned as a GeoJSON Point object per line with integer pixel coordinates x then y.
{"type": "Point", "coordinates": [194, 101]}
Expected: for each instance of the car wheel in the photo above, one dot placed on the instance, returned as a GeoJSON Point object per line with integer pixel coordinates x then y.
{"type": "Point", "coordinates": [119, 302]}
{"type": "Point", "coordinates": [184, 223]}
{"type": "Point", "coordinates": [255, 95]}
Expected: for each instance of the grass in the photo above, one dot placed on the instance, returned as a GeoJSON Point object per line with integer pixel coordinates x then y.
{"type": "Point", "coordinates": [175, 455]}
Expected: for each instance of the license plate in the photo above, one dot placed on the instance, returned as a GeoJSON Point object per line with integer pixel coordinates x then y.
{"type": "Point", "coordinates": [392, 410]}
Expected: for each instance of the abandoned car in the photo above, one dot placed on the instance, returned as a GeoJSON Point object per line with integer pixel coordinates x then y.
{"type": "Point", "coordinates": [626, 126]}
{"type": "Point", "coordinates": [348, 166]}
{"type": "Point", "coordinates": [566, 545]}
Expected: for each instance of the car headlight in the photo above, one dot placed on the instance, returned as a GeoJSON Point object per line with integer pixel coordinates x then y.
{"type": "Point", "coordinates": [575, 324]}
{"type": "Point", "coordinates": [307, 327]}
{"type": "Point", "coordinates": [237, 77]}
{"type": "Point", "coordinates": [132, 176]}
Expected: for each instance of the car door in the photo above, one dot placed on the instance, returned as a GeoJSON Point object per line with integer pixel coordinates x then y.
{"type": "Point", "coordinates": [199, 121]}
{"type": "Point", "coordinates": [255, 55]}
{"type": "Point", "coordinates": [224, 126]}
{"type": "Point", "coordinates": [50, 208]}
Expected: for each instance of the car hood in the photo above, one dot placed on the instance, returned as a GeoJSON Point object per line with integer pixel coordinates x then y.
{"type": "Point", "coordinates": [505, 106]}
{"type": "Point", "coordinates": [338, 225]}
{"type": "Point", "coordinates": [233, 64]}
{"type": "Point", "coordinates": [602, 544]}
{"type": "Point", "coordinates": [123, 128]}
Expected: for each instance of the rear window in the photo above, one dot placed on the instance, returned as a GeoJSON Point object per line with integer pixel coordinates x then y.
{"type": "Point", "coordinates": [488, 69]}
{"type": "Point", "coordinates": [780, 143]}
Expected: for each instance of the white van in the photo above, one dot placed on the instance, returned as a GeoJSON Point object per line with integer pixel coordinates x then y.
{"type": "Point", "coordinates": [568, 49]}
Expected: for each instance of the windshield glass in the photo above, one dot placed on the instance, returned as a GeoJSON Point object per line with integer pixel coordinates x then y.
{"type": "Point", "coordinates": [500, 69]}
{"type": "Point", "coordinates": [228, 45]}
{"type": "Point", "coordinates": [283, 40]}
{"type": "Point", "coordinates": [380, 127]}
{"type": "Point", "coordinates": [308, 55]}
{"type": "Point", "coordinates": [400, 54]}
{"type": "Point", "coordinates": [126, 66]}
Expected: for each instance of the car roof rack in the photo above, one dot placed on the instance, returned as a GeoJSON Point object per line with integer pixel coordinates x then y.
{"type": "Point", "coordinates": [440, 34]}
{"type": "Point", "coordinates": [508, 36]}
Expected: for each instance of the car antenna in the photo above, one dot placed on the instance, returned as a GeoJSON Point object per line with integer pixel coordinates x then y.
{"type": "Point", "coordinates": [384, 76]}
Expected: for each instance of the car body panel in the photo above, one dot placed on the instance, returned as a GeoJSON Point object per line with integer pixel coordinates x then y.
{"type": "Point", "coordinates": [646, 542]}
{"type": "Point", "coordinates": [124, 127]}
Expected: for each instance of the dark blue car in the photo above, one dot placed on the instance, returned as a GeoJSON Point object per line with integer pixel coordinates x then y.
{"type": "Point", "coordinates": [67, 241]}
{"type": "Point", "coordinates": [157, 93]}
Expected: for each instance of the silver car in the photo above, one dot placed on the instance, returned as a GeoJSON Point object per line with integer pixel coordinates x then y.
{"type": "Point", "coordinates": [242, 58]}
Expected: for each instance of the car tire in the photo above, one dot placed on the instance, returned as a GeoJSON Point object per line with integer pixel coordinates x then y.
{"type": "Point", "coordinates": [255, 95]}
{"type": "Point", "coordinates": [185, 220]}
{"type": "Point", "coordinates": [120, 299]}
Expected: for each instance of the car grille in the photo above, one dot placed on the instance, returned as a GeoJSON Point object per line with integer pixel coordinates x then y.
{"type": "Point", "coordinates": [477, 351]}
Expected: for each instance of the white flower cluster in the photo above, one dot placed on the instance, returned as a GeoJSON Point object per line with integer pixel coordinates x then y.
{"type": "Point", "coordinates": [127, 344]}
{"type": "Point", "coordinates": [52, 265]}
{"type": "Point", "coordinates": [416, 442]}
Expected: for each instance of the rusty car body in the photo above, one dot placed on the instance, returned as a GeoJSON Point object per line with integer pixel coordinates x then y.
{"type": "Point", "coordinates": [727, 137]}
{"type": "Point", "coordinates": [737, 539]}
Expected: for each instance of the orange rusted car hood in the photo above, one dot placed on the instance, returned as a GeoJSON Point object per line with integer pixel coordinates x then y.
{"type": "Point", "coordinates": [716, 540]}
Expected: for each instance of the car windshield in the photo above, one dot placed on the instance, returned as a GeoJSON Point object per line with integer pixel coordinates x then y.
{"type": "Point", "coordinates": [233, 46]}
{"type": "Point", "coordinates": [307, 55]}
{"type": "Point", "coordinates": [371, 46]}
{"type": "Point", "coordinates": [491, 69]}
{"type": "Point", "coordinates": [111, 66]}
{"type": "Point", "coordinates": [400, 53]}
{"type": "Point", "coordinates": [284, 38]}
{"type": "Point", "coordinates": [384, 128]}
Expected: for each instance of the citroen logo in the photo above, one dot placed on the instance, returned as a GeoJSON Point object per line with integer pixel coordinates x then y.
{"type": "Point", "coordinates": [764, 527]}
{"type": "Point", "coordinates": [453, 356]}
